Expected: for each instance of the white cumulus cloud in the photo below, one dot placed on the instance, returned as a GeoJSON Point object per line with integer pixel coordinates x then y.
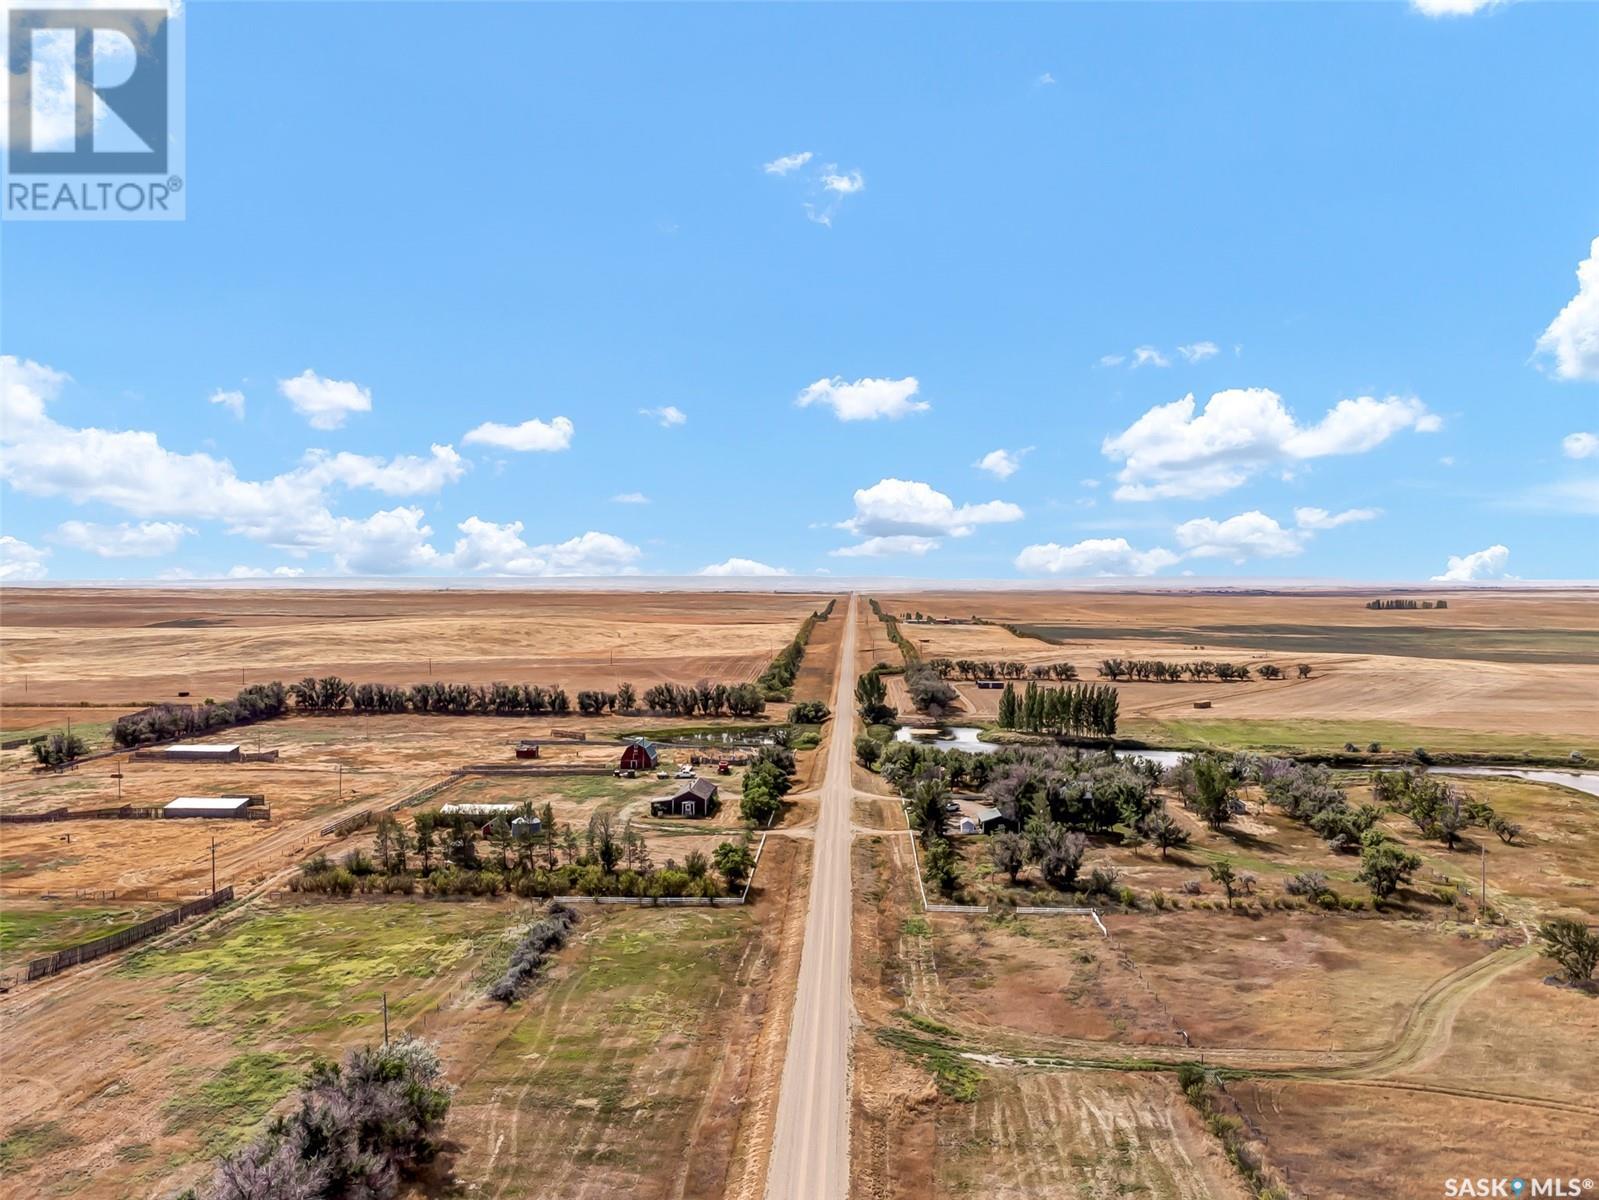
{"type": "Point", "coordinates": [630, 498]}
{"type": "Point", "coordinates": [667, 416]}
{"type": "Point", "coordinates": [1320, 518]}
{"type": "Point", "coordinates": [845, 183]}
{"type": "Point", "coordinates": [232, 401]}
{"type": "Point", "coordinates": [1002, 464]}
{"type": "Point", "coordinates": [907, 506]}
{"type": "Point", "coordinates": [1149, 356]}
{"type": "Point", "coordinates": [325, 403]}
{"type": "Point", "coordinates": [1199, 351]}
{"type": "Point", "coordinates": [787, 163]}
{"type": "Point", "coordinates": [531, 435]}
{"type": "Point", "coordinates": [1572, 339]}
{"type": "Point", "coordinates": [1453, 8]}
{"type": "Point", "coordinates": [742, 566]}
{"type": "Point", "coordinates": [403, 475]}
{"type": "Point", "coordinates": [888, 547]}
{"type": "Point", "coordinates": [1176, 452]}
{"type": "Point", "coordinates": [1095, 556]}
{"type": "Point", "coordinates": [865, 399]}
{"type": "Point", "coordinates": [500, 549]}
{"type": "Point", "coordinates": [242, 572]}
{"type": "Point", "coordinates": [20, 562]}
{"type": "Point", "coordinates": [147, 539]}
{"type": "Point", "coordinates": [1248, 535]}
{"type": "Point", "coordinates": [1480, 564]}
{"type": "Point", "coordinates": [1579, 445]}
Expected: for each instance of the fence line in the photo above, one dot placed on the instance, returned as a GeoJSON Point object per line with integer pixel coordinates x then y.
{"type": "Point", "coordinates": [88, 951]}
{"type": "Point", "coordinates": [657, 901]}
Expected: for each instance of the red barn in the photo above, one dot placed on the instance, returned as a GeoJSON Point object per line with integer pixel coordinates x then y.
{"type": "Point", "coordinates": [639, 755]}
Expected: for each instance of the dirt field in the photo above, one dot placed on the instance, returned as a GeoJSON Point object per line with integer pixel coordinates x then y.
{"type": "Point", "coordinates": [1500, 663]}
{"type": "Point", "coordinates": [126, 646]}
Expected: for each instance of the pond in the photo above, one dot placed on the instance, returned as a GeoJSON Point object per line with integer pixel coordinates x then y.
{"type": "Point", "coordinates": [1582, 781]}
{"type": "Point", "coordinates": [964, 737]}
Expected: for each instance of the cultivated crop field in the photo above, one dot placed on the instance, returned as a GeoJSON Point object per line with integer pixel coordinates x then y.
{"type": "Point", "coordinates": [129, 648]}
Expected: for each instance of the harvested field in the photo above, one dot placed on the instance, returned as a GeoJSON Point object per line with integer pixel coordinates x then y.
{"type": "Point", "coordinates": [120, 645]}
{"type": "Point", "coordinates": [1511, 665]}
{"type": "Point", "coordinates": [1287, 981]}
{"type": "Point", "coordinates": [1334, 1141]}
{"type": "Point", "coordinates": [1086, 1136]}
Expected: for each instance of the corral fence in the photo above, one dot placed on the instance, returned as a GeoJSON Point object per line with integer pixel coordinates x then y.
{"type": "Point", "coordinates": [539, 771]}
{"type": "Point", "coordinates": [658, 901]}
{"type": "Point", "coordinates": [112, 942]}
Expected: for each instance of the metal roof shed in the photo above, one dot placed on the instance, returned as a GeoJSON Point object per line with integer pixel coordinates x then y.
{"type": "Point", "coordinates": [206, 806]}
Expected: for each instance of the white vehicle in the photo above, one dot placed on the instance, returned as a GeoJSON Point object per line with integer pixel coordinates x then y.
{"type": "Point", "coordinates": [687, 773]}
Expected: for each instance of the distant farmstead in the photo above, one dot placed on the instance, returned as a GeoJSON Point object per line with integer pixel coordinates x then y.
{"type": "Point", "coordinates": [697, 799]}
{"type": "Point", "coordinates": [640, 755]}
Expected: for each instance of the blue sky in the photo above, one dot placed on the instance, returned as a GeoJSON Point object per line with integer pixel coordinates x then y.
{"type": "Point", "coordinates": [530, 290]}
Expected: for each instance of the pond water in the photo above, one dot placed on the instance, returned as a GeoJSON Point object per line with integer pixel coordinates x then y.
{"type": "Point", "coordinates": [964, 737]}
{"type": "Point", "coordinates": [1582, 781]}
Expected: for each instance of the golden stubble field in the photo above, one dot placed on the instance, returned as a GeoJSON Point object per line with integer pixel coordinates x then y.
{"type": "Point", "coordinates": [130, 646]}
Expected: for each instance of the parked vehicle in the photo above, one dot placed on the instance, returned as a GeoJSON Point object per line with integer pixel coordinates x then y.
{"type": "Point", "coordinates": [625, 773]}
{"type": "Point", "coordinates": [687, 773]}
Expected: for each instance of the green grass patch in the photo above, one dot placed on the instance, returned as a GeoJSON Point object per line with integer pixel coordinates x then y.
{"type": "Point", "coordinates": [30, 933]}
{"type": "Point", "coordinates": [957, 1077]}
{"type": "Point", "coordinates": [321, 967]}
{"type": "Point", "coordinates": [916, 927]}
{"type": "Point", "coordinates": [27, 1142]}
{"type": "Point", "coordinates": [1409, 640]}
{"type": "Point", "coordinates": [226, 1108]}
{"type": "Point", "coordinates": [1305, 735]}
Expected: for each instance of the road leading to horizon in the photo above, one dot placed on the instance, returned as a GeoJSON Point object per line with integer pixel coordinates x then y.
{"type": "Point", "coordinates": [810, 1146]}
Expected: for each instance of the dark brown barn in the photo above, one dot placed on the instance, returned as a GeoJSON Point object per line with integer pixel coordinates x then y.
{"type": "Point", "coordinates": [698, 799]}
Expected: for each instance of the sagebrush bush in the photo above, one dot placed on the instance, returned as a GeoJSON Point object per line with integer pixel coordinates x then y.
{"type": "Point", "coordinates": [544, 936]}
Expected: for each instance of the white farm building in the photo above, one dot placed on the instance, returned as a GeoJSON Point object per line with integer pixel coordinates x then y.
{"type": "Point", "coordinates": [207, 806]}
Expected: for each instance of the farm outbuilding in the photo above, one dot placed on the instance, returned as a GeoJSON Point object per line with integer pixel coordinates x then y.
{"type": "Point", "coordinates": [207, 806]}
{"type": "Point", "coordinates": [697, 799]}
{"type": "Point", "coordinates": [203, 752]}
{"type": "Point", "coordinates": [527, 749]}
{"type": "Point", "coordinates": [481, 810]}
{"type": "Point", "coordinates": [640, 755]}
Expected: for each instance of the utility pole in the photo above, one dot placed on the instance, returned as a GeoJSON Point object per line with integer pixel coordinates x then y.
{"type": "Point", "coordinates": [341, 780]}
{"type": "Point", "coordinates": [1484, 892]}
{"type": "Point", "coordinates": [213, 866]}
{"type": "Point", "coordinates": [385, 1018]}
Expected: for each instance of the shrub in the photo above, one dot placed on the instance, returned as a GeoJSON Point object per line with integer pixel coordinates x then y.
{"type": "Point", "coordinates": [359, 1130]}
{"type": "Point", "coordinates": [543, 937]}
{"type": "Point", "coordinates": [1571, 944]}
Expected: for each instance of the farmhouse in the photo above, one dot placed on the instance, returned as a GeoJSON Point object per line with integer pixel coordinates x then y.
{"type": "Point", "coordinates": [639, 754]}
{"type": "Point", "coordinates": [207, 806]}
{"type": "Point", "coordinates": [697, 799]}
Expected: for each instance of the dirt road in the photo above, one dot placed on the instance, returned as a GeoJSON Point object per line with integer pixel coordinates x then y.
{"type": "Point", "coordinates": [810, 1147]}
